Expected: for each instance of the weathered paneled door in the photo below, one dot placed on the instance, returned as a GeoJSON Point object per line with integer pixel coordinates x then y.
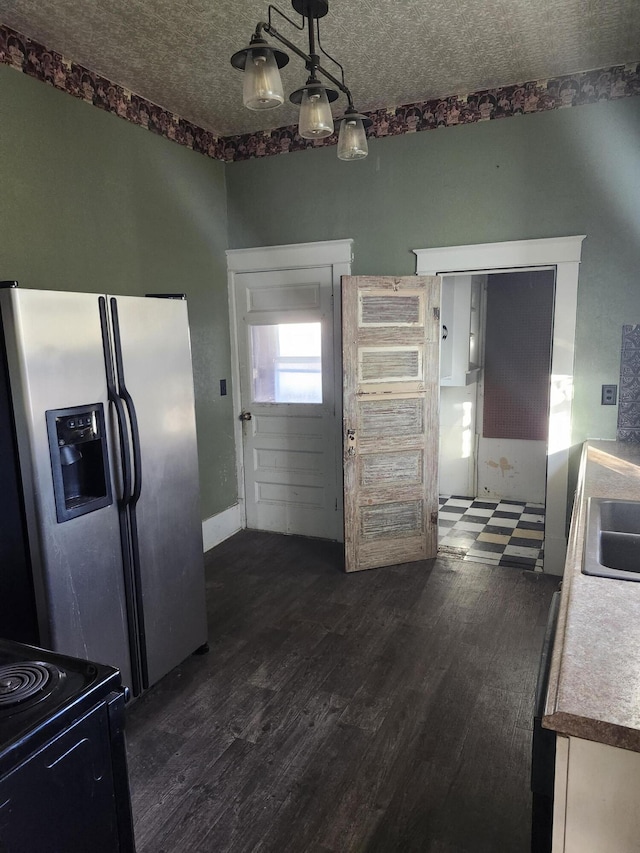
{"type": "Point", "coordinates": [290, 429]}
{"type": "Point", "coordinates": [391, 345]}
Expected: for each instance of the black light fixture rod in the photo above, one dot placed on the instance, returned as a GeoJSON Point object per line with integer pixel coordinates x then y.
{"type": "Point", "coordinates": [328, 55]}
{"type": "Point", "coordinates": [313, 56]}
{"type": "Point", "coordinates": [273, 32]}
{"type": "Point", "coordinates": [273, 8]}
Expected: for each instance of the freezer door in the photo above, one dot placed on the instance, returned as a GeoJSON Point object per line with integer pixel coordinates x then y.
{"type": "Point", "coordinates": [166, 520]}
{"type": "Point", "coordinates": [56, 362]}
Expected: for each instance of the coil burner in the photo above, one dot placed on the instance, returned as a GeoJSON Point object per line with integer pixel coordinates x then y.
{"type": "Point", "coordinates": [25, 683]}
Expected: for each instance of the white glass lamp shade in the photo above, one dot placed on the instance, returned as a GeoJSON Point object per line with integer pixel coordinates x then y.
{"type": "Point", "coordinates": [315, 120]}
{"type": "Point", "coordinates": [262, 89]}
{"type": "Point", "coordinates": [352, 139]}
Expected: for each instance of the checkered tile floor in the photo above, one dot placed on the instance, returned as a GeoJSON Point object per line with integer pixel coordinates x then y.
{"type": "Point", "coordinates": [502, 533]}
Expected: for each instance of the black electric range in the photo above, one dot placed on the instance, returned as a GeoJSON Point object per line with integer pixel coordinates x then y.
{"type": "Point", "coordinates": [63, 772]}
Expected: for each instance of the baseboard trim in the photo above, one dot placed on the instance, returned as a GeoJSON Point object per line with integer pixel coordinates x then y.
{"type": "Point", "coordinates": [219, 527]}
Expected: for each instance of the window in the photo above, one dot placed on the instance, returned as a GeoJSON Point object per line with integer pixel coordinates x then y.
{"type": "Point", "coordinates": [286, 363]}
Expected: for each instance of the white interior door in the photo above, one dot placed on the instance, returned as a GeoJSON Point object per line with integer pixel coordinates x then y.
{"type": "Point", "coordinates": [286, 360]}
{"type": "Point", "coordinates": [391, 344]}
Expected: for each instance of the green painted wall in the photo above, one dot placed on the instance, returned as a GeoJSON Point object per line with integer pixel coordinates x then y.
{"type": "Point", "coordinates": [567, 172]}
{"type": "Point", "coordinates": [93, 203]}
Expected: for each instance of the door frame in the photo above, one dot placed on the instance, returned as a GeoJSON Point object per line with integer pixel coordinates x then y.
{"type": "Point", "coordinates": [337, 254]}
{"type": "Point", "coordinates": [564, 254]}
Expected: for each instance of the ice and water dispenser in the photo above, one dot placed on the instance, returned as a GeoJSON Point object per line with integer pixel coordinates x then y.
{"type": "Point", "coordinates": [79, 460]}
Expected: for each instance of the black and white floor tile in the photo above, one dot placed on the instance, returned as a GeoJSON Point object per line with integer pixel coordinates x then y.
{"type": "Point", "coordinates": [503, 533]}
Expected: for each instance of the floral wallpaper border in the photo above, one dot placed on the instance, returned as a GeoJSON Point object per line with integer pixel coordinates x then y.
{"type": "Point", "coordinates": [587, 87]}
{"type": "Point", "coordinates": [30, 57]}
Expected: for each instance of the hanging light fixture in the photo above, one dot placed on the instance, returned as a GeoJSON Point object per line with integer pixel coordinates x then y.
{"type": "Point", "coordinates": [352, 139]}
{"type": "Point", "coordinates": [315, 121]}
{"type": "Point", "coordinates": [261, 64]}
{"type": "Point", "coordinates": [263, 90]}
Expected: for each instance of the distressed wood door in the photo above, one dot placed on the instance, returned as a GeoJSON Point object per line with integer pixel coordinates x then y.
{"type": "Point", "coordinates": [391, 346]}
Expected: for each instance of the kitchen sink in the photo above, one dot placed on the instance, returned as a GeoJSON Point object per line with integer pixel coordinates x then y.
{"type": "Point", "coordinates": [619, 516]}
{"type": "Point", "coordinates": [612, 547]}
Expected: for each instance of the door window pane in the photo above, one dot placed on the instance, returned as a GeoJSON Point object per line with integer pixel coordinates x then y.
{"type": "Point", "coordinates": [286, 363]}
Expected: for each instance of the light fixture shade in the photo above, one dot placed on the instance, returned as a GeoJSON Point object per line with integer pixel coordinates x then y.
{"type": "Point", "coordinates": [315, 120]}
{"type": "Point", "coordinates": [352, 139]}
{"type": "Point", "coordinates": [262, 89]}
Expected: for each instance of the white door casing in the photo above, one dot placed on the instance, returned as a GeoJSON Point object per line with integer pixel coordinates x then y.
{"type": "Point", "coordinates": [564, 253]}
{"type": "Point", "coordinates": [391, 346]}
{"type": "Point", "coordinates": [289, 465]}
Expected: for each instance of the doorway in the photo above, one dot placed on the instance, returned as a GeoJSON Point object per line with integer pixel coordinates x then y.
{"type": "Point", "coordinates": [562, 253]}
{"type": "Point", "coordinates": [494, 416]}
{"type": "Point", "coordinates": [285, 356]}
{"type": "Point", "coordinates": [287, 385]}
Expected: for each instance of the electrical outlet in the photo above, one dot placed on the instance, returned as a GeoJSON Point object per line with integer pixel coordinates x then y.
{"type": "Point", "coordinates": [609, 395]}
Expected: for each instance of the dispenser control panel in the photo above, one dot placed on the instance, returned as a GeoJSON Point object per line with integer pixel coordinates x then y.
{"type": "Point", "coordinates": [73, 429]}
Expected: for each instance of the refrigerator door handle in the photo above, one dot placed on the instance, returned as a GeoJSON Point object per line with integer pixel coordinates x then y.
{"type": "Point", "coordinates": [126, 543]}
{"type": "Point", "coordinates": [125, 453]}
{"type": "Point", "coordinates": [125, 396]}
{"type": "Point", "coordinates": [135, 493]}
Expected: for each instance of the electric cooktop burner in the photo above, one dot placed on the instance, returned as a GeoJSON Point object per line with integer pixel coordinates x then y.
{"type": "Point", "coordinates": [26, 682]}
{"type": "Point", "coordinates": [39, 691]}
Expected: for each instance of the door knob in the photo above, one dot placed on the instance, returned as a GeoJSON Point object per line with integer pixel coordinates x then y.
{"type": "Point", "coordinates": [245, 416]}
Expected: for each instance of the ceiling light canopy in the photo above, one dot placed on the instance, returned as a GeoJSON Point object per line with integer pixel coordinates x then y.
{"type": "Point", "coordinates": [262, 90]}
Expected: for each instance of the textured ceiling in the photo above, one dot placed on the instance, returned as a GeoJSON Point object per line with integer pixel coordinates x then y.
{"type": "Point", "coordinates": [176, 52]}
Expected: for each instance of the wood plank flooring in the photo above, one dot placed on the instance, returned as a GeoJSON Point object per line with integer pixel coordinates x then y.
{"type": "Point", "coordinates": [381, 711]}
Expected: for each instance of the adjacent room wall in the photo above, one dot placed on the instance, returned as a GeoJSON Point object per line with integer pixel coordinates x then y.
{"type": "Point", "coordinates": [566, 172]}
{"type": "Point", "coordinates": [93, 203]}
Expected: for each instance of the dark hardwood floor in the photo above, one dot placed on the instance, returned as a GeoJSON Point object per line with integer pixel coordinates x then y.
{"type": "Point", "coordinates": [388, 710]}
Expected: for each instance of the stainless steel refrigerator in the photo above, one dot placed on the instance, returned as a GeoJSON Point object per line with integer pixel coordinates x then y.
{"type": "Point", "coordinates": [101, 539]}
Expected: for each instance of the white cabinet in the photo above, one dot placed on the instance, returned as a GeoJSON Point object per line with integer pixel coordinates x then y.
{"type": "Point", "coordinates": [460, 315]}
{"type": "Point", "coordinates": [596, 798]}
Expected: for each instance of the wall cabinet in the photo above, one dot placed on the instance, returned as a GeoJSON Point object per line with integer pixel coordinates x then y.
{"type": "Point", "coordinates": [460, 315]}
